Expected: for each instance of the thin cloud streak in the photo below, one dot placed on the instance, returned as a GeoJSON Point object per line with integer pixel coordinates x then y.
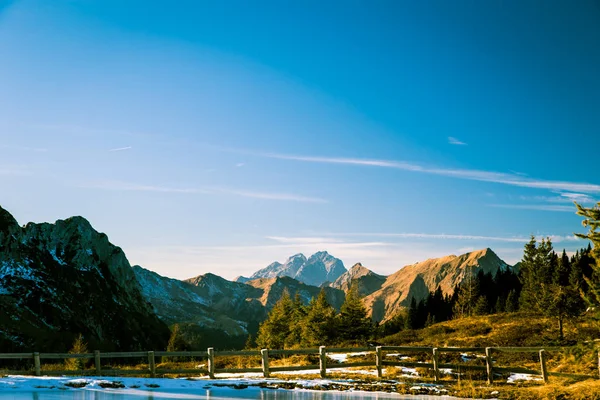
{"type": "Point", "coordinates": [561, 198]}
{"type": "Point", "coordinates": [476, 175]}
{"type": "Point", "coordinates": [434, 236]}
{"type": "Point", "coordinates": [123, 186]}
{"type": "Point", "coordinates": [303, 240]}
{"type": "Point", "coordinates": [121, 149]}
{"type": "Point", "coordinates": [25, 148]}
{"type": "Point", "coordinates": [455, 141]}
{"type": "Point", "coordinates": [14, 171]}
{"type": "Point", "coordinates": [537, 207]}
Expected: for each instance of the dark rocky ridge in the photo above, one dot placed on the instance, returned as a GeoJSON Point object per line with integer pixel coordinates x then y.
{"type": "Point", "coordinates": [64, 279]}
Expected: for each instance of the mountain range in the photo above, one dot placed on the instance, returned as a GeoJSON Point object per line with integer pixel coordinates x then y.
{"type": "Point", "coordinates": [64, 279]}
{"type": "Point", "coordinates": [318, 269]}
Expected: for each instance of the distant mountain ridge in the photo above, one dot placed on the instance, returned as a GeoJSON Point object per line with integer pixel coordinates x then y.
{"type": "Point", "coordinates": [417, 280]}
{"type": "Point", "coordinates": [318, 269]}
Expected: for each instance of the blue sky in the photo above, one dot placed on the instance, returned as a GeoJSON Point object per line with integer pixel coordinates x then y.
{"type": "Point", "coordinates": [221, 136]}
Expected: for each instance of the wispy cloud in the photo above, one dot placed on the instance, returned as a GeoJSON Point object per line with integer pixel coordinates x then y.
{"type": "Point", "coordinates": [578, 197]}
{"type": "Point", "coordinates": [271, 196]}
{"type": "Point", "coordinates": [325, 242]}
{"type": "Point", "coordinates": [469, 174]}
{"type": "Point", "coordinates": [445, 236]}
{"type": "Point", "coordinates": [9, 170]}
{"type": "Point", "coordinates": [123, 186]}
{"type": "Point", "coordinates": [455, 141]}
{"type": "Point", "coordinates": [537, 207]}
{"type": "Point", "coordinates": [121, 148]}
{"type": "Point", "coordinates": [24, 148]}
{"type": "Point", "coordinates": [239, 165]}
{"type": "Point", "coordinates": [561, 198]}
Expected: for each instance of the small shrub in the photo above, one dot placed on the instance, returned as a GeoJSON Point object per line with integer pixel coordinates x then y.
{"type": "Point", "coordinates": [79, 347]}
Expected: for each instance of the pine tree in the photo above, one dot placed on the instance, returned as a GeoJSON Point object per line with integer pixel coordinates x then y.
{"type": "Point", "coordinates": [79, 347]}
{"type": "Point", "coordinates": [273, 332]}
{"type": "Point", "coordinates": [354, 324]}
{"type": "Point", "coordinates": [592, 222]}
{"type": "Point", "coordinates": [563, 271]}
{"type": "Point", "coordinates": [411, 317]}
{"type": "Point", "coordinates": [468, 293]}
{"type": "Point", "coordinates": [546, 287]}
{"type": "Point", "coordinates": [319, 325]}
{"type": "Point", "coordinates": [394, 325]}
{"type": "Point", "coordinates": [481, 306]}
{"type": "Point", "coordinates": [176, 343]}
{"type": "Point", "coordinates": [528, 273]}
{"type": "Point", "coordinates": [512, 302]}
{"type": "Point", "coordinates": [297, 317]}
{"type": "Point", "coordinates": [500, 306]}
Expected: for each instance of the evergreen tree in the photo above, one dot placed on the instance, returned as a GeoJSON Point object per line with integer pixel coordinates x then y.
{"type": "Point", "coordinates": [79, 347]}
{"type": "Point", "coordinates": [296, 322]}
{"type": "Point", "coordinates": [176, 343]}
{"type": "Point", "coordinates": [354, 325]}
{"type": "Point", "coordinates": [394, 325]}
{"type": "Point", "coordinates": [430, 320]}
{"type": "Point", "coordinates": [563, 272]}
{"type": "Point", "coordinates": [592, 222]}
{"type": "Point", "coordinates": [500, 306]}
{"type": "Point", "coordinates": [481, 306]}
{"type": "Point", "coordinates": [468, 293]}
{"type": "Point", "coordinates": [528, 273]}
{"type": "Point", "coordinates": [411, 316]}
{"type": "Point", "coordinates": [273, 332]}
{"type": "Point", "coordinates": [546, 287]}
{"type": "Point", "coordinates": [319, 325]}
{"type": "Point", "coordinates": [512, 302]}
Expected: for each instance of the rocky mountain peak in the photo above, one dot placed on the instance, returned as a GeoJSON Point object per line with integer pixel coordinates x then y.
{"type": "Point", "coordinates": [367, 280]}
{"type": "Point", "coordinates": [7, 221]}
{"type": "Point", "coordinates": [51, 273]}
{"type": "Point", "coordinates": [359, 269]}
{"type": "Point", "coordinates": [417, 280]}
{"type": "Point", "coordinates": [319, 268]}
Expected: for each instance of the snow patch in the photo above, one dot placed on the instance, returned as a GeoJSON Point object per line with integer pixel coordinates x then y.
{"type": "Point", "coordinates": [523, 377]}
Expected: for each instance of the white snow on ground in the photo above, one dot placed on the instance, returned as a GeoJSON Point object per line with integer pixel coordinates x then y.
{"type": "Point", "coordinates": [304, 372]}
{"type": "Point", "coordinates": [343, 357]}
{"type": "Point", "coordinates": [523, 377]}
{"type": "Point", "coordinates": [402, 357]}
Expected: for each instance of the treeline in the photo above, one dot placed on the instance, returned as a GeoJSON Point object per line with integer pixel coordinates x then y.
{"type": "Point", "coordinates": [542, 282]}
{"type": "Point", "coordinates": [480, 294]}
{"type": "Point", "coordinates": [291, 323]}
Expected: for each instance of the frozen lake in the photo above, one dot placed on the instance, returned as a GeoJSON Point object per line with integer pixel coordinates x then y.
{"type": "Point", "coordinates": [69, 388]}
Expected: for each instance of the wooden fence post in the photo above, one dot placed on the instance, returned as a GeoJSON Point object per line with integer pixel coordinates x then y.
{"type": "Point", "coordinates": [379, 361]}
{"type": "Point", "coordinates": [151, 364]}
{"type": "Point", "coordinates": [323, 362]}
{"type": "Point", "coordinates": [211, 362]}
{"type": "Point", "coordinates": [489, 366]}
{"type": "Point", "coordinates": [543, 365]}
{"type": "Point", "coordinates": [264, 353]}
{"type": "Point", "coordinates": [37, 363]}
{"type": "Point", "coordinates": [436, 369]}
{"type": "Point", "coordinates": [97, 362]}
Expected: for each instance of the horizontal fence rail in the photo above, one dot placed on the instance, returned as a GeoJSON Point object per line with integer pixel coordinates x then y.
{"type": "Point", "coordinates": [265, 355]}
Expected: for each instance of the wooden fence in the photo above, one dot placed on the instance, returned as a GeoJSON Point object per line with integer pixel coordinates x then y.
{"type": "Point", "coordinates": [380, 362]}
